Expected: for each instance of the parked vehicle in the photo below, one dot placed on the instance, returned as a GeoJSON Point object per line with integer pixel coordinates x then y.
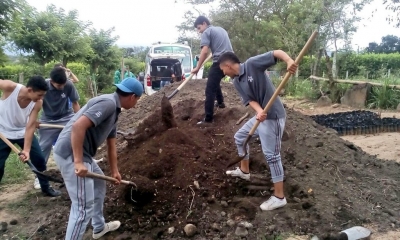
{"type": "Point", "coordinates": [171, 51]}
{"type": "Point", "coordinates": [157, 63]}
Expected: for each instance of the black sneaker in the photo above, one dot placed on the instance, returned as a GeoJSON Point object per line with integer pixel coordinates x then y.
{"type": "Point", "coordinates": [50, 192]}
{"type": "Point", "coordinates": [220, 105]}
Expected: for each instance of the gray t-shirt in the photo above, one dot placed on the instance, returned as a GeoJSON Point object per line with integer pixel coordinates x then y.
{"type": "Point", "coordinates": [55, 102]}
{"type": "Point", "coordinates": [217, 39]}
{"type": "Point", "coordinates": [103, 111]}
{"type": "Point", "coordinates": [253, 84]}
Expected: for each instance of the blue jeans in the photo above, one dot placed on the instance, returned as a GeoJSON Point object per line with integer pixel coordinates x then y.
{"type": "Point", "coordinates": [165, 83]}
{"type": "Point", "coordinates": [36, 156]}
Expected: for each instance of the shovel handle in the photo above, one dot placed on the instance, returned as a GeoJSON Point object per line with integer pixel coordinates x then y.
{"type": "Point", "coordinates": [107, 178]}
{"type": "Point", "coordinates": [188, 79]}
{"type": "Point", "coordinates": [285, 79]}
{"type": "Point", "coordinates": [33, 168]}
{"type": "Point", "coordinates": [51, 125]}
{"type": "Point", "coordinates": [14, 148]}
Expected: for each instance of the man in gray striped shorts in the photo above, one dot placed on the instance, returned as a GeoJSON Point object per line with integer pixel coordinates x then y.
{"type": "Point", "coordinates": [256, 89]}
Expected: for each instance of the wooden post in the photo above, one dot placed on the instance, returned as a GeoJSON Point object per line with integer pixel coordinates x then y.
{"type": "Point", "coordinates": [389, 73]}
{"type": "Point", "coordinates": [21, 78]}
{"type": "Point", "coordinates": [122, 69]}
{"type": "Point", "coordinates": [347, 74]}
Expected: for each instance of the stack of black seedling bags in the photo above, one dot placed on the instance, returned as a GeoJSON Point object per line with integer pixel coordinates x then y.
{"type": "Point", "coordinates": [357, 122]}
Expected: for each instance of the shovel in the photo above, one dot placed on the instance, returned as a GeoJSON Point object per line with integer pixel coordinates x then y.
{"type": "Point", "coordinates": [33, 168]}
{"type": "Point", "coordinates": [166, 107]}
{"type": "Point", "coordinates": [50, 125]}
{"type": "Point", "coordinates": [274, 96]}
{"type": "Point", "coordinates": [110, 179]}
{"type": "Point", "coordinates": [187, 80]}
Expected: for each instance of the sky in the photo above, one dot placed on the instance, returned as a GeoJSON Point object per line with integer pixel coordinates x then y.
{"type": "Point", "coordinates": [143, 22]}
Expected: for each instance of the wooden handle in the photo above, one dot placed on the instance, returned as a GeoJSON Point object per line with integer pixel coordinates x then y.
{"type": "Point", "coordinates": [107, 178]}
{"type": "Point", "coordinates": [51, 125]}
{"type": "Point", "coordinates": [191, 75]}
{"type": "Point", "coordinates": [14, 148]}
{"type": "Point", "coordinates": [285, 79]}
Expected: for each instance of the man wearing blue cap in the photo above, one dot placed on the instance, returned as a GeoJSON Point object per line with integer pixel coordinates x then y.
{"type": "Point", "coordinates": [77, 144]}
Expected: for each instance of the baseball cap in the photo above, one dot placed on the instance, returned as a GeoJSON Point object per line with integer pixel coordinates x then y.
{"type": "Point", "coordinates": [131, 85]}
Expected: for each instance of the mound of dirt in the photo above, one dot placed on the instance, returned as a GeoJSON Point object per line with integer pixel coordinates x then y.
{"type": "Point", "coordinates": [330, 184]}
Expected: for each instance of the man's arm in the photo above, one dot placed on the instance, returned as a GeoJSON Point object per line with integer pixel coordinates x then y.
{"type": "Point", "coordinates": [268, 59]}
{"type": "Point", "coordinates": [74, 97]}
{"type": "Point", "coordinates": [30, 129]}
{"type": "Point", "coordinates": [74, 78]}
{"type": "Point", "coordinates": [203, 56]}
{"type": "Point", "coordinates": [7, 86]}
{"type": "Point", "coordinates": [112, 154]}
{"type": "Point", "coordinates": [76, 107]}
{"type": "Point", "coordinates": [205, 46]}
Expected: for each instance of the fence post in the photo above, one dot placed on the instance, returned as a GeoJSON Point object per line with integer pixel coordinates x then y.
{"type": "Point", "coordinates": [21, 78]}
{"type": "Point", "coordinates": [389, 73]}
{"type": "Point", "coordinates": [323, 74]}
{"type": "Point", "coordinates": [347, 74]}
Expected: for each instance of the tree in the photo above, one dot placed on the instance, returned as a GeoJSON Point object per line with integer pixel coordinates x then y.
{"type": "Point", "coordinates": [74, 42]}
{"type": "Point", "coordinates": [51, 35]}
{"type": "Point", "coordinates": [389, 44]}
{"type": "Point", "coordinates": [394, 6]}
{"type": "Point", "coordinates": [104, 58]}
{"type": "Point", "coordinates": [137, 52]}
{"type": "Point", "coordinates": [8, 10]}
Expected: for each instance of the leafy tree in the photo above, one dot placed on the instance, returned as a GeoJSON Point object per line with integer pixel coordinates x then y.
{"type": "Point", "coordinates": [104, 58]}
{"type": "Point", "coordinates": [51, 35]}
{"type": "Point", "coordinates": [394, 6]}
{"type": "Point", "coordinates": [389, 44]}
{"type": "Point", "coordinates": [137, 52]}
{"type": "Point", "coordinates": [8, 10]}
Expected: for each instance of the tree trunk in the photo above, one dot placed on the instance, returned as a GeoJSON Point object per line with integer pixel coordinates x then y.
{"type": "Point", "coordinates": [64, 61]}
{"type": "Point", "coordinates": [332, 86]}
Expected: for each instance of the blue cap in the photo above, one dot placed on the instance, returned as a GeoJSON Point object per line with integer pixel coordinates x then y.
{"type": "Point", "coordinates": [131, 85]}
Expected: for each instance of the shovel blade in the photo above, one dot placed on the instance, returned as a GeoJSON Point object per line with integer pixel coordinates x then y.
{"type": "Point", "coordinates": [235, 160]}
{"type": "Point", "coordinates": [42, 175]}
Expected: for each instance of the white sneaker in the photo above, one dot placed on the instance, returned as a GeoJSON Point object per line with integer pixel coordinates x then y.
{"type": "Point", "coordinates": [238, 173]}
{"type": "Point", "coordinates": [273, 203]}
{"type": "Point", "coordinates": [97, 161]}
{"type": "Point", "coordinates": [111, 226]}
{"type": "Point", "coordinates": [36, 184]}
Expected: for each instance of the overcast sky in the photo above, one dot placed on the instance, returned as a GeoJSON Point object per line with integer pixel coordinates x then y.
{"type": "Point", "coordinates": [142, 22]}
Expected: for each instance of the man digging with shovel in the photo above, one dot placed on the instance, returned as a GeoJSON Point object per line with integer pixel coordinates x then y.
{"type": "Point", "coordinates": [256, 89]}
{"type": "Point", "coordinates": [19, 103]}
{"type": "Point", "coordinates": [77, 144]}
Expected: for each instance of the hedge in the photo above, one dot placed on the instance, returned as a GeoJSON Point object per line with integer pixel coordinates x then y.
{"type": "Point", "coordinates": [358, 65]}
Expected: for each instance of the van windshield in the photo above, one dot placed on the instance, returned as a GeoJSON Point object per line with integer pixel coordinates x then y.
{"type": "Point", "coordinates": [175, 49]}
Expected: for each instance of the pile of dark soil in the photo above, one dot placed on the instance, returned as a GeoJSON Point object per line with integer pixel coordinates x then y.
{"type": "Point", "coordinates": [330, 184]}
{"type": "Point", "coordinates": [357, 122]}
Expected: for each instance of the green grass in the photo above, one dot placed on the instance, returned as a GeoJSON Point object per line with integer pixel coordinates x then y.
{"type": "Point", "coordinates": [15, 171]}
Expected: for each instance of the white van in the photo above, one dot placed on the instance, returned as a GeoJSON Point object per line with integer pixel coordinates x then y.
{"type": "Point", "coordinates": [156, 64]}
{"type": "Point", "coordinates": [159, 51]}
